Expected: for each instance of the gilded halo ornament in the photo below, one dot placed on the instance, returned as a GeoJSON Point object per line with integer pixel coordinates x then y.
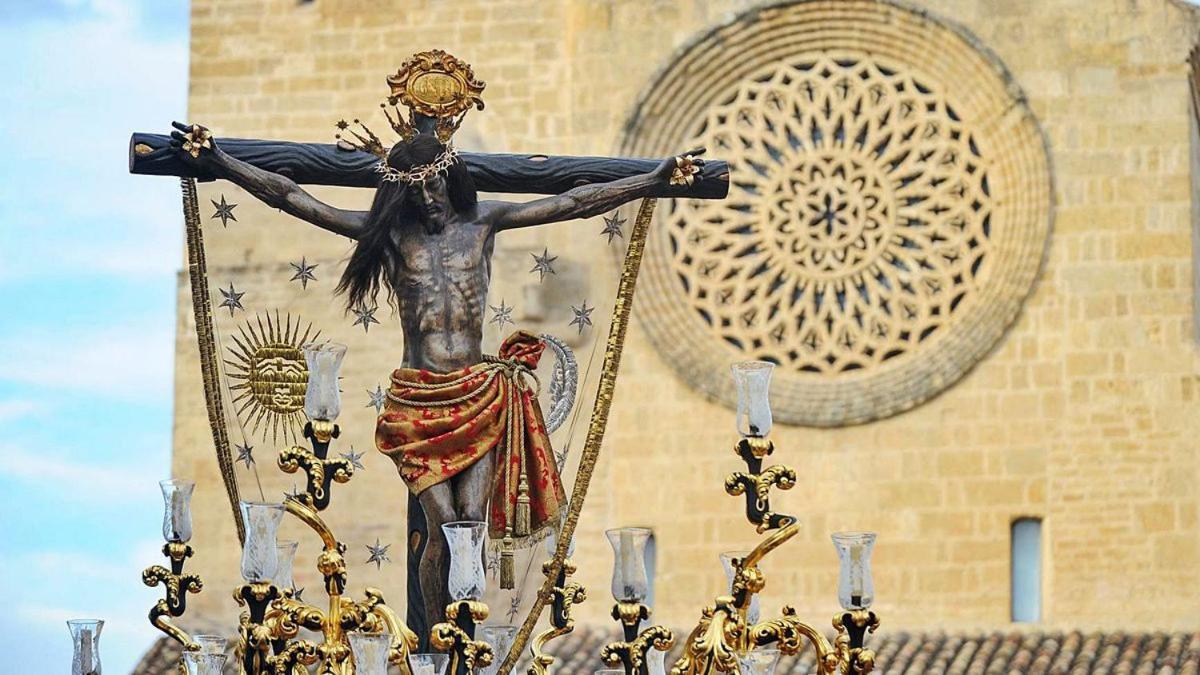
{"type": "Point", "coordinates": [430, 84]}
{"type": "Point", "coordinates": [270, 374]}
{"type": "Point", "coordinates": [435, 84]}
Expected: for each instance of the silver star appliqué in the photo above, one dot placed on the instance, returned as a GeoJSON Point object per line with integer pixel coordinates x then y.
{"type": "Point", "coordinates": [502, 315]}
{"type": "Point", "coordinates": [378, 553]}
{"type": "Point", "coordinates": [365, 316]}
{"type": "Point", "coordinates": [355, 458]}
{"type": "Point", "coordinates": [612, 226]}
{"type": "Point", "coordinates": [304, 272]}
{"type": "Point", "coordinates": [245, 454]}
{"type": "Point", "coordinates": [298, 593]}
{"type": "Point", "coordinates": [583, 316]}
{"type": "Point", "coordinates": [378, 398]}
{"type": "Point", "coordinates": [224, 211]}
{"type": "Point", "coordinates": [233, 299]}
{"type": "Point", "coordinates": [542, 264]}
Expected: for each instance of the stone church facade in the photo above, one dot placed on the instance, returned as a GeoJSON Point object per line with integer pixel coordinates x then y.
{"type": "Point", "coordinates": [1001, 202]}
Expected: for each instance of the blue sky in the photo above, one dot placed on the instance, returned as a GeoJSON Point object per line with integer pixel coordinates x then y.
{"type": "Point", "coordinates": [88, 256]}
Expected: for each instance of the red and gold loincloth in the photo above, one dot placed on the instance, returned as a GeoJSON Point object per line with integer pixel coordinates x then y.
{"type": "Point", "coordinates": [435, 425]}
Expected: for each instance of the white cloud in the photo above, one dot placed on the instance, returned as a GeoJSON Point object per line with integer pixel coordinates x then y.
{"type": "Point", "coordinates": [76, 479]}
{"type": "Point", "coordinates": [89, 568]}
{"type": "Point", "coordinates": [71, 207]}
{"type": "Point", "coordinates": [15, 409]}
{"type": "Point", "coordinates": [133, 362]}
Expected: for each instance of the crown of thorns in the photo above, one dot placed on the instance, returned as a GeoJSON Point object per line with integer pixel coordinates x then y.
{"type": "Point", "coordinates": [420, 173]}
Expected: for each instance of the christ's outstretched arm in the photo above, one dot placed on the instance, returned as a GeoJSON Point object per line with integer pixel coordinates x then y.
{"type": "Point", "coordinates": [592, 200]}
{"type": "Point", "coordinates": [270, 188]}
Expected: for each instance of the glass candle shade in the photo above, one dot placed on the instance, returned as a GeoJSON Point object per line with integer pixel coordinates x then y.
{"type": "Point", "coordinates": [727, 558]}
{"type": "Point", "coordinates": [85, 633]}
{"type": "Point", "coordinates": [656, 662]}
{"type": "Point", "coordinates": [260, 555]}
{"type": "Point", "coordinates": [465, 539]}
{"type": "Point", "coordinates": [285, 551]}
{"type": "Point", "coordinates": [322, 400]}
{"type": "Point", "coordinates": [629, 580]}
{"type": "Point", "coordinates": [200, 663]}
{"type": "Point", "coordinates": [428, 664]}
{"type": "Point", "coordinates": [370, 653]}
{"type": "Point", "coordinates": [177, 510]}
{"type": "Point", "coordinates": [753, 380]}
{"type": "Point", "coordinates": [759, 662]}
{"type": "Point", "coordinates": [552, 540]}
{"type": "Point", "coordinates": [500, 637]}
{"type": "Point", "coordinates": [211, 644]}
{"type": "Point", "coordinates": [856, 588]}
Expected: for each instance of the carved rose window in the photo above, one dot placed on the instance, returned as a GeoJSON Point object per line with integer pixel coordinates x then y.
{"type": "Point", "coordinates": [887, 212]}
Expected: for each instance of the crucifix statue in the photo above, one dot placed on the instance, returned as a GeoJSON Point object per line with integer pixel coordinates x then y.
{"type": "Point", "coordinates": [463, 428]}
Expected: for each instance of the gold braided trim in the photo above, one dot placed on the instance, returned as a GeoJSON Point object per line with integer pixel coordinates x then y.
{"type": "Point", "coordinates": [202, 311]}
{"type": "Point", "coordinates": [491, 375]}
{"type": "Point", "coordinates": [509, 368]}
{"type": "Point", "coordinates": [599, 421]}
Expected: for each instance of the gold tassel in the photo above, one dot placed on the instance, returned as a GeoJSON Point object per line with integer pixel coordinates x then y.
{"type": "Point", "coordinates": [523, 516]}
{"type": "Point", "coordinates": [508, 573]}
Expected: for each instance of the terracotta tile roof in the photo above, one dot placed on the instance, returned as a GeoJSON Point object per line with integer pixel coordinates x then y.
{"type": "Point", "coordinates": [901, 653]}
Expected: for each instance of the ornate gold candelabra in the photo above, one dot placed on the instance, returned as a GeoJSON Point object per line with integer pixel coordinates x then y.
{"type": "Point", "coordinates": [728, 639]}
{"type": "Point", "coordinates": [177, 530]}
{"type": "Point", "coordinates": [726, 636]}
{"type": "Point", "coordinates": [363, 637]}
{"type": "Point", "coordinates": [268, 634]}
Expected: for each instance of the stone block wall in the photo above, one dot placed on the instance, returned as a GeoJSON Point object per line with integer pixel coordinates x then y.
{"type": "Point", "coordinates": [1084, 414]}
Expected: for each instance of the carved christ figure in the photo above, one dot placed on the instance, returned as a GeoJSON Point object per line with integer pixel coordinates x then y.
{"type": "Point", "coordinates": [426, 243]}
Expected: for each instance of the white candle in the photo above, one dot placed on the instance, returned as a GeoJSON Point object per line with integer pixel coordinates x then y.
{"type": "Point", "coordinates": [85, 649]}
{"type": "Point", "coordinates": [856, 571]}
{"type": "Point", "coordinates": [628, 564]}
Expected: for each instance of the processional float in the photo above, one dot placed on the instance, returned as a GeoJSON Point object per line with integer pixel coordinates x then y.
{"type": "Point", "coordinates": [365, 635]}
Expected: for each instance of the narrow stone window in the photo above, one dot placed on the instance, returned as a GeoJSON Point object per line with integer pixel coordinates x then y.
{"type": "Point", "coordinates": [1027, 570]}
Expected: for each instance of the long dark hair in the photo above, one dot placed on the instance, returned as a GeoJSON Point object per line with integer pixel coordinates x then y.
{"type": "Point", "coordinates": [375, 257]}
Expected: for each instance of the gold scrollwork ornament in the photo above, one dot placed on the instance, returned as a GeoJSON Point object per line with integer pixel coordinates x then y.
{"type": "Point", "coordinates": [566, 596]}
{"type": "Point", "coordinates": [722, 634]}
{"type": "Point", "coordinates": [851, 627]}
{"type": "Point", "coordinates": [451, 636]}
{"type": "Point", "coordinates": [176, 585]}
{"type": "Point", "coordinates": [710, 647]}
{"type": "Point", "coordinates": [632, 654]}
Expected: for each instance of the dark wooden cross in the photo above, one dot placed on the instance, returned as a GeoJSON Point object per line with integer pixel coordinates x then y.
{"type": "Point", "coordinates": [330, 164]}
